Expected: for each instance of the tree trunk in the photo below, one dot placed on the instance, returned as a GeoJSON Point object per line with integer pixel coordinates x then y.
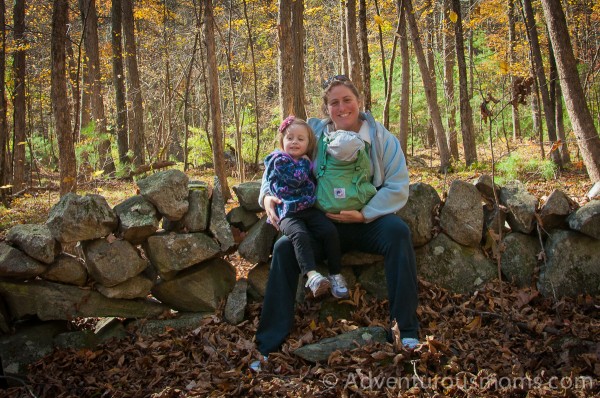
{"type": "Point", "coordinates": [173, 138]}
{"type": "Point", "coordinates": [88, 13]}
{"type": "Point", "coordinates": [298, 59]}
{"type": "Point", "coordinates": [466, 114]}
{"type": "Point", "coordinates": [343, 42]}
{"type": "Point", "coordinates": [353, 52]}
{"type": "Point", "coordinates": [60, 102]}
{"type": "Point", "coordinates": [119, 81]}
{"type": "Point", "coordinates": [365, 59]}
{"type": "Point", "coordinates": [536, 116]}
{"type": "Point", "coordinates": [449, 80]}
{"type": "Point", "coordinates": [382, 50]}
{"type": "Point", "coordinates": [512, 42]}
{"type": "Point", "coordinates": [430, 89]}
{"type": "Point", "coordinates": [4, 169]}
{"type": "Point", "coordinates": [284, 27]}
{"type": "Point", "coordinates": [405, 91]}
{"type": "Point", "coordinates": [214, 101]}
{"type": "Point", "coordinates": [428, 11]}
{"type": "Point", "coordinates": [134, 89]}
{"type": "Point", "coordinates": [556, 103]}
{"type": "Point", "coordinates": [581, 118]}
{"type": "Point", "coordinates": [188, 80]}
{"type": "Point", "coordinates": [541, 77]}
{"type": "Point", "coordinates": [255, 86]}
{"type": "Point", "coordinates": [19, 121]}
{"type": "Point", "coordinates": [389, 85]}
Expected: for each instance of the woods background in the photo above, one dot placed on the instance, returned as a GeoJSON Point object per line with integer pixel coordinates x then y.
{"type": "Point", "coordinates": [107, 88]}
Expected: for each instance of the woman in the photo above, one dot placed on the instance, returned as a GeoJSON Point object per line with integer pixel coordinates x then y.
{"type": "Point", "coordinates": [373, 229]}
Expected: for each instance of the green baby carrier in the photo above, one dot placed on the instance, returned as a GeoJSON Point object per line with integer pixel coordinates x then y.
{"type": "Point", "coordinates": [343, 184]}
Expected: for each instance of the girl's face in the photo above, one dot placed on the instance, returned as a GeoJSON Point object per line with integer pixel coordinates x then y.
{"type": "Point", "coordinates": [343, 108]}
{"type": "Point", "coordinates": [295, 141]}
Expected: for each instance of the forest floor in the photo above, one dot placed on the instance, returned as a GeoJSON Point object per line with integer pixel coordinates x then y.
{"type": "Point", "coordinates": [499, 341]}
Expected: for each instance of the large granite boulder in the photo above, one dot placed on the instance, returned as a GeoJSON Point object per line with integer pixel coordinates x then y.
{"type": "Point", "coordinates": [521, 206]}
{"type": "Point", "coordinates": [241, 218]}
{"type": "Point", "coordinates": [111, 263]}
{"type": "Point", "coordinates": [218, 225]}
{"type": "Point", "coordinates": [168, 191]}
{"type": "Point", "coordinates": [419, 212]}
{"type": "Point", "coordinates": [197, 217]}
{"type": "Point", "coordinates": [454, 267]}
{"type": "Point", "coordinates": [554, 212]}
{"type": "Point", "coordinates": [486, 187]}
{"type": "Point", "coordinates": [247, 194]}
{"type": "Point", "coordinates": [67, 269]}
{"type": "Point", "coordinates": [35, 240]}
{"type": "Point", "coordinates": [171, 253]}
{"type": "Point", "coordinates": [462, 215]}
{"type": "Point", "coordinates": [587, 219]}
{"type": "Point", "coordinates": [137, 287]}
{"type": "Point", "coordinates": [258, 243]}
{"type": "Point", "coordinates": [76, 218]}
{"type": "Point", "coordinates": [519, 259]}
{"type": "Point", "coordinates": [138, 218]}
{"type": "Point", "coordinates": [571, 267]}
{"type": "Point", "coordinates": [198, 288]}
{"type": "Point", "coordinates": [16, 264]}
{"type": "Point", "coordinates": [26, 299]}
{"type": "Point", "coordinates": [257, 280]}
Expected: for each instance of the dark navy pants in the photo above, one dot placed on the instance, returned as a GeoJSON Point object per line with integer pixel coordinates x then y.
{"type": "Point", "coordinates": [388, 235]}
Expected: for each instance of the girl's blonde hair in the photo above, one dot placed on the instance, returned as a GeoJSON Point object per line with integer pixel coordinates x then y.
{"type": "Point", "coordinates": [290, 121]}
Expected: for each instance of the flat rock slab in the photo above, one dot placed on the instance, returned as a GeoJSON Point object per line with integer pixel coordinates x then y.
{"type": "Point", "coordinates": [68, 302]}
{"type": "Point", "coordinates": [321, 350]}
{"type": "Point", "coordinates": [185, 321]}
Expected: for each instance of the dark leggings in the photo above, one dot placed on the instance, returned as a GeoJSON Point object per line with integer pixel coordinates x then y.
{"type": "Point", "coordinates": [312, 224]}
{"type": "Point", "coordinates": [387, 235]}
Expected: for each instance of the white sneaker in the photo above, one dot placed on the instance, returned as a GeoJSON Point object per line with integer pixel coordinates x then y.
{"type": "Point", "coordinates": [256, 366]}
{"type": "Point", "coordinates": [338, 286]}
{"type": "Point", "coordinates": [318, 284]}
{"type": "Point", "coordinates": [410, 343]}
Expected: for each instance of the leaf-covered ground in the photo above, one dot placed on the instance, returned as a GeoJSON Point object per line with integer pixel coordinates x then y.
{"type": "Point", "coordinates": [500, 341]}
{"type": "Point", "coordinates": [510, 344]}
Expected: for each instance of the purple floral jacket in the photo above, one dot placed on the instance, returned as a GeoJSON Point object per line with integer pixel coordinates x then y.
{"type": "Point", "coordinates": [291, 181]}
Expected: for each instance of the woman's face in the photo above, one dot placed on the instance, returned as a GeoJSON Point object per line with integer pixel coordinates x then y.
{"type": "Point", "coordinates": [343, 107]}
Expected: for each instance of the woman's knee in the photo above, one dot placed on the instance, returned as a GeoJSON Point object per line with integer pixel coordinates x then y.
{"type": "Point", "coordinates": [396, 227]}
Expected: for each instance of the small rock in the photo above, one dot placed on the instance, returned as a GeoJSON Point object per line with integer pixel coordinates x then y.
{"type": "Point", "coordinates": [235, 308]}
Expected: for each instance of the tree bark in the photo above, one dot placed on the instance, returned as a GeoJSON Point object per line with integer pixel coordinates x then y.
{"type": "Point", "coordinates": [119, 80]}
{"type": "Point", "coordinates": [556, 103]}
{"type": "Point", "coordinates": [60, 103]}
{"type": "Point", "coordinates": [428, 11]}
{"type": "Point", "coordinates": [134, 89]}
{"type": "Point", "coordinates": [285, 58]}
{"type": "Point", "coordinates": [405, 90]}
{"type": "Point", "coordinates": [382, 50]}
{"type": "Point", "coordinates": [430, 89]}
{"type": "Point", "coordinates": [449, 80]}
{"type": "Point", "coordinates": [19, 106]}
{"type": "Point", "coordinates": [343, 42]}
{"type": "Point", "coordinates": [365, 59]}
{"type": "Point", "coordinates": [512, 42]}
{"type": "Point", "coordinates": [4, 169]}
{"type": "Point", "coordinates": [188, 80]}
{"type": "Point", "coordinates": [579, 113]}
{"type": "Point", "coordinates": [541, 77]}
{"type": "Point", "coordinates": [353, 52]}
{"type": "Point", "coordinates": [466, 114]}
{"type": "Point", "coordinates": [298, 59]}
{"type": "Point", "coordinates": [214, 98]}
{"type": "Point", "coordinates": [88, 12]}
{"type": "Point", "coordinates": [255, 86]}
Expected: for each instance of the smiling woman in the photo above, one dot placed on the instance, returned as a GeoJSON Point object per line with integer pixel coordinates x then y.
{"type": "Point", "coordinates": [374, 228]}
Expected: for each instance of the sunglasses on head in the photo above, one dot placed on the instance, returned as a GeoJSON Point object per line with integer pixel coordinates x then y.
{"type": "Point", "coordinates": [336, 78]}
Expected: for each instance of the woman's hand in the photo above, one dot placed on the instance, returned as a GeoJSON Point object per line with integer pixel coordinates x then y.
{"type": "Point", "coordinates": [347, 216]}
{"type": "Point", "coordinates": [270, 202]}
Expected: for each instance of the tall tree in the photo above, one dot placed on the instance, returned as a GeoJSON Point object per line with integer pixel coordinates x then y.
{"type": "Point", "coordinates": [577, 107]}
{"type": "Point", "coordinates": [214, 98]}
{"type": "Point", "coordinates": [134, 88]}
{"type": "Point", "coordinates": [352, 44]}
{"type": "Point", "coordinates": [298, 54]}
{"type": "Point", "coordinates": [365, 59]}
{"type": "Point", "coordinates": [448, 38]}
{"type": "Point", "coordinates": [382, 48]}
{"type": "Point", "coordinates": [345, 69]}
{"type": "Point", "coordinates": [119, 80]}
{"type": "Point", "coordinates": [389, 85]}
{"type": "Point", "coordinates": [60, 102]}
{"type": "Point", "coordinates": [19, 106]}
{"type": "Point", "coordinates": [255, 85]}
{"type": "Point", "coordinates": [429, 39]}
{"type": "Point", "coordinates": [4, 170]}
{"type": "Point", "coordinates": [466, 114]}
{"type": "Point", "coordinates": [512, 42]}
{"type": "Point", "coordinates": [405, 91]}
{"type": "Point", "coordinates": [92, 52]}
{"type": "Point", "coordinates": [430, 89]}
{"type": "Point", "coordinates": [188, 81]}
{"type": "Point", "coordinates": [556, 103]}
{"type": "Point", "coordinates": [534, 43]}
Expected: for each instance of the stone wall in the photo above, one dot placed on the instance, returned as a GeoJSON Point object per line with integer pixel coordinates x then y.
{"type": "Point", "coordinates": [121, 264]}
